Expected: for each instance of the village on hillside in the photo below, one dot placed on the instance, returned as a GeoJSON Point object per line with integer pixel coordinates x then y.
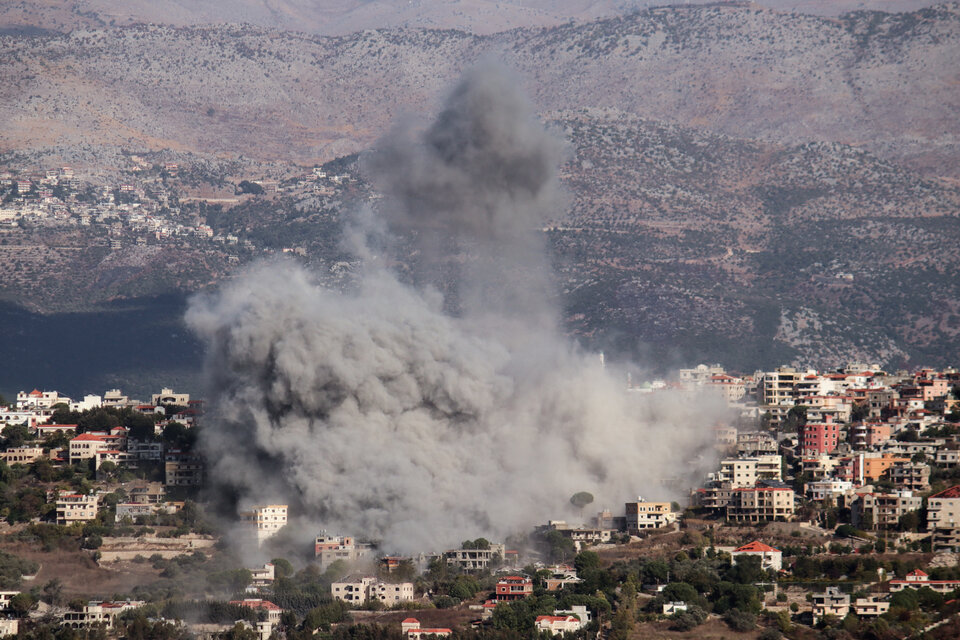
{"type": "Point", "coordinates": [833, 511]}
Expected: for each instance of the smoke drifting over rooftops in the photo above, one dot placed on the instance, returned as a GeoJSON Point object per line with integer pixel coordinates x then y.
{"type": "Point", "coordinates": [375, 412]}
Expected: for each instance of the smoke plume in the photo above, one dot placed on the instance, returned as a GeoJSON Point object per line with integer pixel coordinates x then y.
{"type": "Point", "coordinates": [376, 412]}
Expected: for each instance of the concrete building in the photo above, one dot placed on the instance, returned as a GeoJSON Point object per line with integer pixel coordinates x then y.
{"type": "Point", "coordinates": [911, 476]}
{"type": "Point", "coordinates": [75, 507]}
{"type": "Point", "coordinates": [513, 588]}
{"type": "Point", "coordinates": [328, 549]}
{"type": "Point", "coordinates": [183, 469]}
{"type": "Point", "coordinates": [870, 607]}
{"type": "Point", "coordinates": [827, 489]}
{"type": "Point", "coordinates": [475, 559]}
{"type": "Point", "coordinates": [817, 438]}
{"type": "Point", "coordinates": [642, 515]}
{"type": "Point", "coordinates": [943, 520]}
{"type": "Point", "coordinates": [830, 603]}
{"type": "Point", "coordinates": [745, 472]}
{"type": "Point", "coordinates": [882, 510]}
{"type": "Point", "coordinates": [761, 504]}
{"type": "Point", "coordinates": [99, 613]}
{"type": "Point", "coordinates": [263, 521]}
{"type": "Point", "coordinates": [22, 455]}
{"type": "Point", "coordinates": [359, 589]}
{"type": "Point", "coordinates": [167, 396]}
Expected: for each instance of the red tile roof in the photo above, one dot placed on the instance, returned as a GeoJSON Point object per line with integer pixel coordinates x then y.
{"type": "Point", "coordinates": [952, 492]}
{"type": "Point", "coordinates": [757, 547]}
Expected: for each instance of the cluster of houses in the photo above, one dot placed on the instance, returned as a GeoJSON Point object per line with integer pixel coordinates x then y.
{"type": "Point", "coordinates": [34, 410]}
{"type": "Point", "coordinates": [144, 202]}
{"type": "Point", "coordinates": [857, 434]}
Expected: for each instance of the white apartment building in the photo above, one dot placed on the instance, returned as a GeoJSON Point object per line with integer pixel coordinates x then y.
{"type": "Point", "coordinates": [263, 521]}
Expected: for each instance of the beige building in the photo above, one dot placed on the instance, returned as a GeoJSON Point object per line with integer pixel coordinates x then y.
{"type": "Point", "coordinates": [648, 515]}
{"type": "Point", "coordinates": [22, 455]}
{"type": "Point", "coordinates": [745, 472]}
{"type": "Point", "coordinates": [943, 519]}
{"type": "Point", "coordinates": [97, 613]}
{"type": "Point", "coordinates": [911, 476]}
{"type": "Point", "coordinates": [760, 504]}
{"type": "Point", "coordinates": [770, 557]}
{"type": "Point", "coordinates": [75, 507]}
{"type": "Point", "coordinates": [358, 590]}
{"type": "Point", "coordinates": [263, 521]}
{"type": "Point", "coordinates": [167, 396]}
{"type": "Point", "coordinates": [870, 607]}
{"type": "Point", "coordinates": [475, 559]}
{"type": "Point", "coordinates": [882, 510]}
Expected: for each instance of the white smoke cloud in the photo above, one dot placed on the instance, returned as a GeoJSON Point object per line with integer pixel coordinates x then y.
{"type": "Point", "coordinates": [375, 412]}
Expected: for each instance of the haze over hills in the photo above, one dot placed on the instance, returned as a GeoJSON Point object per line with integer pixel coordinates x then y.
{"type": "Point", "coordinates": [746, 185]}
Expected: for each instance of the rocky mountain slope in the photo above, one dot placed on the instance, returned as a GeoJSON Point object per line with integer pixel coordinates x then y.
{"type": "Point", "coordinates": [886, 82]}
{"type": "Point", "coordinates": [746, 186]}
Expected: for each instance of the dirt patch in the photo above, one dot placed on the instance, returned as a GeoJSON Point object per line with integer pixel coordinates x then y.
{"type": "Point", "coordinates": [80, 574]}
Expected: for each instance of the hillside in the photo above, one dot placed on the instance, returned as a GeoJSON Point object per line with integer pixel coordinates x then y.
{"type": "Point", "coordinates": [348, 16]}
{"type": "Point", "coordinates": [886, 82]}
{"type": "Point", "coordinates": [746, 186]}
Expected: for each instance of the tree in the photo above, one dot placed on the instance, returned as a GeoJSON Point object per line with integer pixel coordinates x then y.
{"type": "Point", "coordinates": [581, 499]}
{"type": "Point", "coordinates": [282, 567]}
{"type": "Point", "coordinates": [15, 435]}
{"type": "Point", "coordinates": [586, 560]}
{"type": "Point", "coordinates": [740, 620]}
{"type": "Point", "coordinates": [21, 604]}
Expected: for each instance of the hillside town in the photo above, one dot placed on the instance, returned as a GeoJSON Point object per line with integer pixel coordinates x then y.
{"type": "Point", "coordinates": [834, 506]}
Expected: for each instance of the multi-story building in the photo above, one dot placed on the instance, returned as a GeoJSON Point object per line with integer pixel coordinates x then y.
{"type": "Point", "coordinates": [830, 603]}
{"type": "Point", "coordinates": [745, 472]}
{"type": "Point", "coordinates": [359, 589]}
{"type": "Point", "coordinates": [882, 510]}
{"type": "Point", "coordinates": [391, 593]}
{"type": "Point", "coordinates": [183, 469]}
{"type": "Point", "coordinates": [22, 455]}
{"type": "Point", "coordinates": [943, 520]}
{"type": "Point", "coordinates": [98, 613]}
{"type": "Point", "coordinates": [263, 521]}
{"type": "Point", "coordinates": [761, 503]}
{"type": "Point", "coordinates": [870, 607]}
{"type": "Point", "coordinates": [827, 488]}
{"type": "Point", "coordinates": [947, 457]}
{"type": "Point", "coordinates": [778, 387]}
{"type": "Point", "coordinates": [817, 438]}
{"type": "Point", "coordinates": [475, 559]}
{"type": "Point", "coordinates": [756, 443]}
{"type": "Point", "coordinates": [86, 446]}
{"type": "Point", "coordinates": [513, 588]}
{"type": "Point", "coordinates": [869, 434]}
{"type": "Point", "coordinates": [75, 507]}
{"type": "Point", "coordinates": [328, 549]}
{"type": "Point", "coordinates": [648, 515]}
{"type": "Point", "coordinates": [912, 476]}
{"type": "Point", "coordinates": [167, 396]}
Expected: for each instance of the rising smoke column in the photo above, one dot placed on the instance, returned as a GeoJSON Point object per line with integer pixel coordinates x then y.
{"type": "Point", "coordinates": [374, 412]}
